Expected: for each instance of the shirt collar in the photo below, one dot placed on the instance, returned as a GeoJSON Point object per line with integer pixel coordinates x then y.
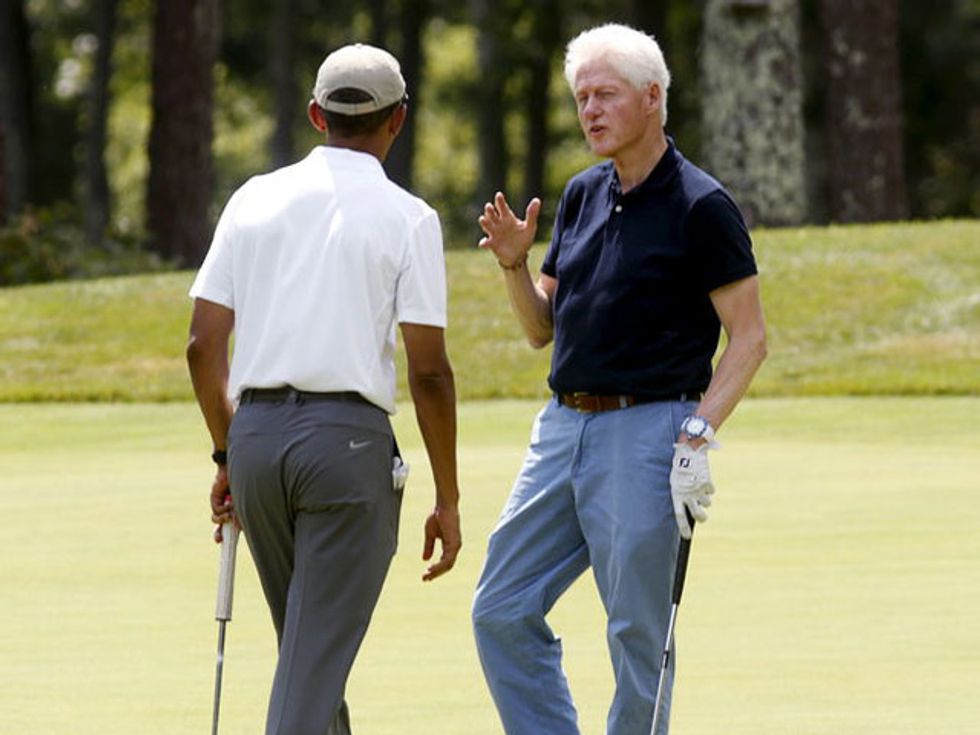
{"type": "Point", "coordinates": [657, 179]}
{"type": "Point", "coordinates": [348, 158]}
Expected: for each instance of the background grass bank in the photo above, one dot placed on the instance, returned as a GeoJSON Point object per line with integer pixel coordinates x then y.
{"type": "Point", "coordinates": [861, 310]}
{"type": "Point", "coordinates": [834, 589]}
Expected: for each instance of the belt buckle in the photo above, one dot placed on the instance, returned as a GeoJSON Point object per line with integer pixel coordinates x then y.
{"type": "Point", "coordinates": [579, 398]}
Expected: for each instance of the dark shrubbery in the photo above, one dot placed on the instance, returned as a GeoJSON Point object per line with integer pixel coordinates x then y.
{"type": "Point", "coordinates": [50, 245]}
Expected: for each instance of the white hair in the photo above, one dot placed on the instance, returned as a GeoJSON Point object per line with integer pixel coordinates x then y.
{"type": "Point", "coordinates": [633, 54]}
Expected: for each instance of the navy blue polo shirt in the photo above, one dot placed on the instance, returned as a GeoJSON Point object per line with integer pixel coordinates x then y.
{"type": "Point", "coordinates": [631, 311]}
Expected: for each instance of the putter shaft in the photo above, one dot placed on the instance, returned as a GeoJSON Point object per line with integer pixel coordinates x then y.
{"type": "Point", "coordinates": [664, 660]}
{"type": "Point", "coordinates": [226, 586]}
{"type": "Point", "coordinates": [217, 676]}
{"type": "Point", "coordinates": [680, 574]}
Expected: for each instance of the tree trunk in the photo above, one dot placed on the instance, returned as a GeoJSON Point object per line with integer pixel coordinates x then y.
{"type": "Point", "coordinates": [3, 173]}
{"type": "Point", "coordinates": [752, 117]}
{"type": "Point", "coordinates": [185, 43]}
{"type": "Point", "coordinates": [16, 107]}
{"type": "Point", "coordinates": [379, 23]}
{"type": "Point", "coordinates": [97, 210]}
{"type": "Point", "coordinates": [287, 96]}
{"type": "Point", "coordinates": [545, 41]}
{"type": "Point", "coordinates": [490, 107]}
{"type": "Point", "coordinates": [401, 159]}
{"type": "Point", "coordinates": [650, 16]}
{"type": "Point", "coordinates": [864, 110]}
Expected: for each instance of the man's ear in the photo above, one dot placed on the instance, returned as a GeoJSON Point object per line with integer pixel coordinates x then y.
{"type": "Point", "coordinates": [397, 119]}
{"type": "Point", "coordinates": [654, 97]}
{"type": "Point", "coordinates": [315, 114]}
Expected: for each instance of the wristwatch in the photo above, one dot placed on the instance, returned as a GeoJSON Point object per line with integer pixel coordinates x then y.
{"type": "Point", "coordinates": [698, 427]}
{"type": "Point", "coordinates": [220, 457]}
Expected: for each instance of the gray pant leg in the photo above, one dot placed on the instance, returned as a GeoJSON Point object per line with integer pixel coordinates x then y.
{"type": "Point", "coordinates": [261, 501]}
{"type": "Point", "coordinates": [328, 497]}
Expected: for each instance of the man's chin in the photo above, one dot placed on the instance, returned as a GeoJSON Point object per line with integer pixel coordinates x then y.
{"type": "Point", "coordinates": [600, 148]}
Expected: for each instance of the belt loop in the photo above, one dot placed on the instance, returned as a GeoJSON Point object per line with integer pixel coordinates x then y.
{"type": "Point", "coordinates": [623, 403]}
{"type": "Point", "coordinates": [684, 397]}
{"type": "Point", "coordinates": [294, 396]}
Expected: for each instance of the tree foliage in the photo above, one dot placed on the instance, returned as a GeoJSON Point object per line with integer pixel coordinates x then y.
{"type": "Point", "coordinates": [489, 105]}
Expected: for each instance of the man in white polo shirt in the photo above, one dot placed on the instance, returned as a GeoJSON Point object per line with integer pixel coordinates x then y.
{"type": "Point", "coordinates": [313, 265]}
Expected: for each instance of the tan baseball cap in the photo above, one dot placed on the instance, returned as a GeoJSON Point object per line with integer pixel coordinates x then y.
{"type": "Point", "coordinates": [366, 68]}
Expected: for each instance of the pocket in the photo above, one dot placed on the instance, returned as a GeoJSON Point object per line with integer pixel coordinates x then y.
{"type": "Point", "coordinates": [332, 466]}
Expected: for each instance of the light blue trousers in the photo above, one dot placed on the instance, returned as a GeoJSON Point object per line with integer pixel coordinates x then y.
{"type": "Point", "coordinates": [594, 491]}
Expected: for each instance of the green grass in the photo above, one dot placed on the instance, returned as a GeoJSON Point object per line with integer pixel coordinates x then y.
{"type": "Point", "coordinates": [891, 309]}
{"type": "Point", "coordinates": [863, 310]}
{"type": "Point", "coordinates": [834, 590]}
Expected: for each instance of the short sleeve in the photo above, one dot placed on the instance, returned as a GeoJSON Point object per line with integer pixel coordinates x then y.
{"type": "Point", "coordinates": [214, 281]}
{"type": "Point", "coordinates": [421, 293]}
{"type": "Point", "coordinates": [718, 241]}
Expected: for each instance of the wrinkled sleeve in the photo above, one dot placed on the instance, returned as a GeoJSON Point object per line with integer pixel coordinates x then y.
{"type": "Point", "coordinates": [214, 281]}
{"type": "Point", "coordinates": [421, 291]}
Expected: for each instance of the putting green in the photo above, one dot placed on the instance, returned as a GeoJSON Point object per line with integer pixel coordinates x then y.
{"type": "Point", "coordinates": [835, 589]}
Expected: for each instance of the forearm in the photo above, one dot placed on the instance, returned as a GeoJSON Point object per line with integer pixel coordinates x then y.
{"type": "Point", "coordinates": [208, 366]}
{"type": "Point", "coordinates": [531, 305]}
{"type": "Point", "coordinates": [733, 375]}
{"type": "Point", "coordinates": [434, 395]}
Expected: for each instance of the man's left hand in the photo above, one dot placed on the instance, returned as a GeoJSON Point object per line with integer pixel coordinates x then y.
{"type": "Point", "coordinates": [221, 508]}
{"type": "Point", "coordinates": [442, 524]}
{"type": "Point", "coordinates": [690, 484]}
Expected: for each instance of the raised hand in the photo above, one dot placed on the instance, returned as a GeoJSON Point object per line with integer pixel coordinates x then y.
{"type": "Point", "coordinates": [508, 237]}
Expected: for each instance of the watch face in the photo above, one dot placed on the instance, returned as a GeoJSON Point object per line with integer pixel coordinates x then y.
{"type": "Point", "coordinates": [695, 426]}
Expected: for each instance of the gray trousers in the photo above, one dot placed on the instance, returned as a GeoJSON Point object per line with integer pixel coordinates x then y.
{"type": "Point", "coordinates": [311, 484]}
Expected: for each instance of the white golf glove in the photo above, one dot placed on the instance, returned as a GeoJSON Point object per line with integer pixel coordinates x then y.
{"type": "Point", "coordinates": [690, 485]}
{"type": "Point", "coordinates": [399, 473]}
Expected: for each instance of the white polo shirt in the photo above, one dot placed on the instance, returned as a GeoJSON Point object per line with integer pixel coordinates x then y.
{"type": "Point", "coordinates": [319, 261]}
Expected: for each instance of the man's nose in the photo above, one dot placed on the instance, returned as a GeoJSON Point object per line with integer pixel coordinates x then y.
{"type": "Point", "coordinates": [590, 109]}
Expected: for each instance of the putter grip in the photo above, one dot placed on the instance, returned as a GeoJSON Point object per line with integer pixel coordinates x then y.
{"type": "Point", "coordinates": [226, 573]}
{"type": "Point", "coordinates": [680, 571]}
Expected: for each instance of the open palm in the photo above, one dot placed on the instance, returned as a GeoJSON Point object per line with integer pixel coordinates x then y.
{"type": "Point", "coordinates": [508, 237]}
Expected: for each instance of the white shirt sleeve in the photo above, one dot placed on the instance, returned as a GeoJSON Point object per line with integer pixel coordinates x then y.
{"type": "Point", "coordinates": [214, 281]}
{"type": "Point", "coordinates": [420, 297]}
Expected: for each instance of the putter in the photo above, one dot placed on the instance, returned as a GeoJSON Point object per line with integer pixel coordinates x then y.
{"type": "Point", "coordinates": [680, 572]}
{"type": "Point", "coordinates": [226, 586]}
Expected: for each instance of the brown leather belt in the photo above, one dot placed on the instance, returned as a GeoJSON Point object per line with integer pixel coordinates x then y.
{"type": "Point", "coordinates": [595, 403]}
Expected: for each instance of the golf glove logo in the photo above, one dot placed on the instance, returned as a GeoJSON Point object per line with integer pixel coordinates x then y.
{"type": "Point", "coordinates": [690, 485]}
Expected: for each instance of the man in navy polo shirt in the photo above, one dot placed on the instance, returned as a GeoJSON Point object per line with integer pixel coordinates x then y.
{"type": "Point", "coordinates": [648, 260]}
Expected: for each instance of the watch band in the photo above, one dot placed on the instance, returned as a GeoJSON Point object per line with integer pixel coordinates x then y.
{"type": "Point", "coordinates": [220, 457]}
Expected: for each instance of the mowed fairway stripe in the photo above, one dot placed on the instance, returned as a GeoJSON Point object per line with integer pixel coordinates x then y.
{"type": "Point", "coordinates": [834, 590]}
